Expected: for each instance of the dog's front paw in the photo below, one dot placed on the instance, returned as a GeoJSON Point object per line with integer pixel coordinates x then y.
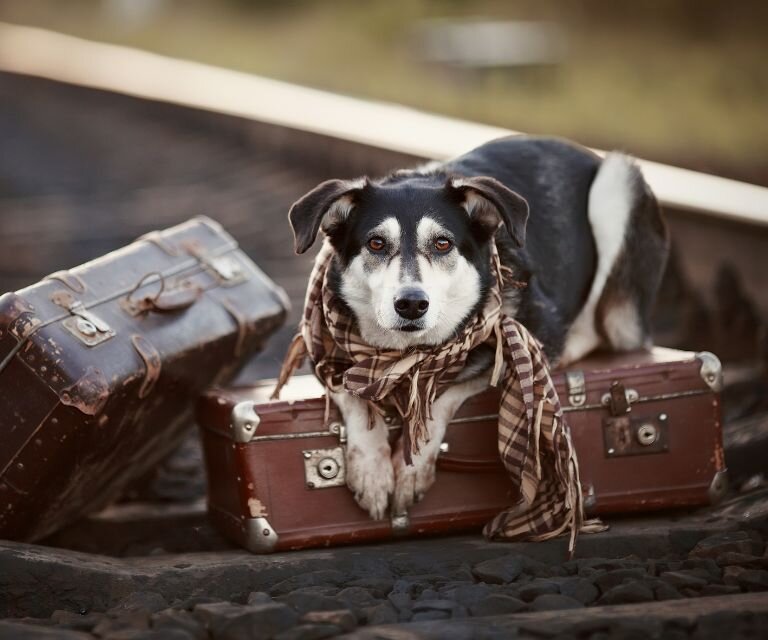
{"type": "Point", "coordinates": [412, 481]}
{"type": "Point", "coordinates": [371, 478]}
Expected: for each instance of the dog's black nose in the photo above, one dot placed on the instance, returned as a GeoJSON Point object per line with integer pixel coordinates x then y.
{"type": "Point", "coordinates": [412, 303]}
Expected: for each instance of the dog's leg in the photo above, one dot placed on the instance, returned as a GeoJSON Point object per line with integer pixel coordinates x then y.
{"type": "Point", "coordinates": [413, 481]}
{"type": "Point", "coordinates": [613, 197]}
{"type": "Point", "coordinates": [368, 457]}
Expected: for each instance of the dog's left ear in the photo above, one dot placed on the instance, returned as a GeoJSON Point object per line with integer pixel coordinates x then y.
{"type": "Point", "coordinates": [326, 206]}
{"type": "Point", "coordinates": [489, 203]}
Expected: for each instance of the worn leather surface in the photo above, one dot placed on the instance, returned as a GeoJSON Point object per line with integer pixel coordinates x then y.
{"type": "Point", "coordinates": [82, 414]}
{"type": "Point", "coordinates": [266, 477]}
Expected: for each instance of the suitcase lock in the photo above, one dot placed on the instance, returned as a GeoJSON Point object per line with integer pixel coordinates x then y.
{"type": "Point", "coordinates": [324, 468]}
{"type": "Point", "coordinates": [627, 435]}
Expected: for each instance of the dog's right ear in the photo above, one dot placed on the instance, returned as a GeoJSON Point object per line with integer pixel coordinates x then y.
{"type": "Point", "coordinates": [327, 205]}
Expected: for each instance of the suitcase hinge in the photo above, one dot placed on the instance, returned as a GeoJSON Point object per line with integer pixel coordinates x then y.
{"type": "Point", "coordinates": [244, 421]}
{"type": "Point", "coordinates": [86, 326]}
{"type": "Point", "coordinates": [618, 399]}
{"type": "Point", "coordinates": [577, 388]}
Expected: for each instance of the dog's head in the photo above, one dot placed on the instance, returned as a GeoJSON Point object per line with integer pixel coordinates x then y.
{"type": "Point", "coordinates": [412, 253]}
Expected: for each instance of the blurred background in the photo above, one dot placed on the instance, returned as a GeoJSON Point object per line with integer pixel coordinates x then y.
{"type": "Point", "coordinates": [679, 81]}
{"type": "Point", "coordinates": [684, 82]}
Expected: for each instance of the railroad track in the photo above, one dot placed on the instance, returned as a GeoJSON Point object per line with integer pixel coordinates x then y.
{"type": "Point", "coordinates": [85, 168]}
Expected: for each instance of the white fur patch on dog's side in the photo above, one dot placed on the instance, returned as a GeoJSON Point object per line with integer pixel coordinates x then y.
{"type": "Point", "coordinates": [611, 199]}
{"type": "Point", "coordinates": [622, 326]}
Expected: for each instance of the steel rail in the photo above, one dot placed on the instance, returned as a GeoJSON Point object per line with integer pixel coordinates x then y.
{"type": "Point", "coordinates": [46, 54]}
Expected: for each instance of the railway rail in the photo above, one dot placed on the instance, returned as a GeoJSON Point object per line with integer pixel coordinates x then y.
{"type": "Point", "coordinates": [100, 144]}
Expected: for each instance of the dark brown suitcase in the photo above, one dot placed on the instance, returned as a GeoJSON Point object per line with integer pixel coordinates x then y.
{"type": "Point", "coordinates": [646, 427]}
{"type": "Point", "coordinates": [100, 366]}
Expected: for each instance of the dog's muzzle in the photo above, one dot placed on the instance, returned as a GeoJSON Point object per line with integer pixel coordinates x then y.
{"type": "Point", "coordinates": [411, 303]}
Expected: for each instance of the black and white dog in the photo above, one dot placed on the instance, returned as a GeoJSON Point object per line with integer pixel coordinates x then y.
{"type": "Point", "coordinates": [412, 262]}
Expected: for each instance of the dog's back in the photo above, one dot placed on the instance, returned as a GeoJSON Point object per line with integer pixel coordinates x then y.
{"type": "Point", "coordinates": [596, 243]}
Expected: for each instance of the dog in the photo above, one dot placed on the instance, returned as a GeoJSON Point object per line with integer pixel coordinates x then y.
{"type": "Point", "coordinates": [583, 236]}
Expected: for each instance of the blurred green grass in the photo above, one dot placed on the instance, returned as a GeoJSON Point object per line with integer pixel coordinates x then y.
{"type": "Point", "coordinates": [677, 81]}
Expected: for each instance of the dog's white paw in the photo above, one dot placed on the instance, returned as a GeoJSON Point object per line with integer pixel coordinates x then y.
{"type": "Point", "coordinates": [371, 478]}
{"type": "Point", "coordinates": [412, 481]}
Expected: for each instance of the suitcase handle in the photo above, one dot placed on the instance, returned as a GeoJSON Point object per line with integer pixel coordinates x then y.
{"type": "Point", "coordinates": [464, 464]}
{"type": "Point", "coordinates": [177, 299]}
{"type": "Point", "coordinates": [183, 296]}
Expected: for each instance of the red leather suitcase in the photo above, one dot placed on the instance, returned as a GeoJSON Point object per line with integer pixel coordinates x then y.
{"type": "Point", "coordinates": [100, 367]}
{"type": "Point", "coordinates": [646, 427]}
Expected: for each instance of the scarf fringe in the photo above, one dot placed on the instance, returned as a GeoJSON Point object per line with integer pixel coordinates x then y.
{"type": "Point", "coordinates": [530, 418]}
{"type": "Point", "coordinates": [294, 358]}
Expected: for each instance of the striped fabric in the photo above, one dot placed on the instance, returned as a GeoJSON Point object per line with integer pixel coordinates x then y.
{"type": "Point", "coordinates": [534, 441]}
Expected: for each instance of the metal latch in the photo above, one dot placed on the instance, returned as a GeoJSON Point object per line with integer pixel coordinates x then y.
{"type": "Point", "coordinates": [338, 429]}
{"type": "Point", "coordinates": [618, 399]}
{"type": "Point", "coordinates": [324, 468]}
{"type": "Point", "coordinates": [577, 388]}
{"type": "Point", "coordinates": [86, 326]}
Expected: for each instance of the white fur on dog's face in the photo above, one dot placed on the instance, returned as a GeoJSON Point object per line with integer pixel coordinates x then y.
{"type": "Point", "coordinates": [372, 280]}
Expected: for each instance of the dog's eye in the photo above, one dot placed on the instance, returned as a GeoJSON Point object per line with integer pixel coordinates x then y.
{"type": "Point", "coordinates": [376, 244]}
{"type": "Point", "coordinates": [443, 244]}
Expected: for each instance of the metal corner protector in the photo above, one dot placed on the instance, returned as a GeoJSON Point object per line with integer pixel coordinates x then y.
{"type": "Point", "coordinates": [718, 487]}
{"type": "Point", "coordinates": [260, 537]}
{"type": "Point", "coordinates": [711, 370]}
{"type": "Point", "coordinates": [244, 421]}
{"type": "Point", "coordinates": [401, 523]}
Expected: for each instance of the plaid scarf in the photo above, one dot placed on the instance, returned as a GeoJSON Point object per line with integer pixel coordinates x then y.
{"type": "Point", "coordinates": [534, 441]}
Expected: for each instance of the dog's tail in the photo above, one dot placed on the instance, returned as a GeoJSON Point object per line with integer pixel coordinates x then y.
{"type": "Point", "coordinates": [631, 245]}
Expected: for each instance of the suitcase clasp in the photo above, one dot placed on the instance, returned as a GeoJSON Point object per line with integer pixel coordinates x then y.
{"type": "Point", "coordinates": [618, 399]}
{"type": "Point", "coordinates": [338, 429]}
{"type": "Point", "coordinates": [86, 326]}
{"type": "Point", "coordinates": [577, 388]}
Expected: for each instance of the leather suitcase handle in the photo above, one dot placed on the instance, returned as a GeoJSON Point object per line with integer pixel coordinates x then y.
{"type": "Point", "coordinates": [183, 296]}
{"type": "Point", "coordinates": [177, 299]}
{"type": "Point", "coordinates": [465, 464]}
